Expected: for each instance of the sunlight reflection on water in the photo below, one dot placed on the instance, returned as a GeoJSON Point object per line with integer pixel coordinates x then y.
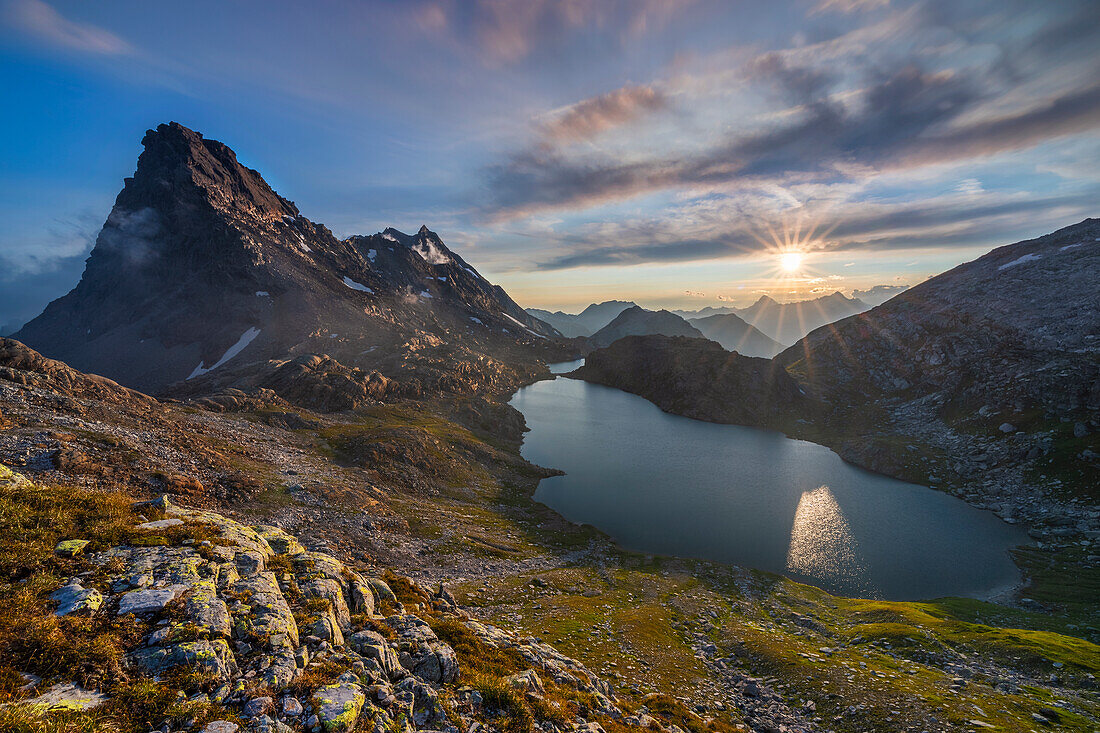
{"type": "Point", "coordinates": [822, 545]}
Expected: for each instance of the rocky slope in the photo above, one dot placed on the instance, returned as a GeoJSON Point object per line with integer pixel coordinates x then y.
{"type": "Point", "coordinates": [254, 630]}
{"type": "Point", "coordinates": [735, 335]}
{"type": "Point", "coordinates": [699, 379]}
{"type": "Point", "coordinates": [638, 321]}
{"type": "Point", "coordinates": [587, 322]}
{"type": "Point", "coordinates": [201, 263]}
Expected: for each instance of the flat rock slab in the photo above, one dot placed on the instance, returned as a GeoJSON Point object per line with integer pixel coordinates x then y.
{"type": "Point", "coordinates": [66, 696]}
{"type": "Point", "coordinates": [75, 598]}
{"type": "Point", "coordinates": [161, 524]}
{"type": "Point", "coordinates": [150, 600]}
{"type": "Point", "coordinates": [221, 726]}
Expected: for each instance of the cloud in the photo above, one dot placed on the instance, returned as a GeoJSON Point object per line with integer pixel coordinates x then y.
{"type": "Point", "coordinates": [588, 118]}
{"type": "Point", "coordinates": [847, 6]}
{"type": "Point", "coordinates": [728, 229]}
{"type": "Point", "coordinates": [877, 294]}
{"type": "Point", "coordinates": [508, 32]}
{"type": "Point", "coordinates": [39, 19]}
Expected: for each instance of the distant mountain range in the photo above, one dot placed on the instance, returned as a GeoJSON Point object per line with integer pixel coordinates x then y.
{"type": "Point", "coordinates": [734, 334]}
{"type": "Point", "coordinates": [202, 267]}
{"type": "Point", "coordinates": [784, 323]}
{"type": "Point", "coordinates": [637, 321]}
{"type": "Point", "coordinates": [585, 323]}
{"type": "Point", "coordinates": [788, 322]}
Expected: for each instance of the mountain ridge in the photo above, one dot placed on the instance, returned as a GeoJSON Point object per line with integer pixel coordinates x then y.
{"type": "Point", "coordinates": [200, 262]}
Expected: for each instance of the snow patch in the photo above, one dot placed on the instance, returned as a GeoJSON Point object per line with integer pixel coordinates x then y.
{"type": "Point", "coordinates": [523, 326]}
{"type": "Point", "coordinates": [473, 272]}
{"type": "Point", "coordinates": [372, 254]}
{"type": "Point", "coordinates": [389, 236]}
{"type": "Point", "coordinates": [356, 286]}
{"type": "Point", "coordinates": [1071, 246]}
{"type": "Point", "coordinates": [1020, 260]}
{"type": "Point", "coordinates": [425, 294]}
{"type": "Point", "coordinates": [476, 320]}
{"type": "Point", "coordinates": [262, 293]}
{"type": "Point", "coordinates": [245, 339]}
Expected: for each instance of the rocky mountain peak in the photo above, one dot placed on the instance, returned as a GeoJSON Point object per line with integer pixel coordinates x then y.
{"type": "Point", "coordinates": [179, 162]}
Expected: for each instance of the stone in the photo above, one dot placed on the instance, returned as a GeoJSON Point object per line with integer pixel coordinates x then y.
{"type": "Point", "coordinates": [150, 600]}
{"type": "Point", "coordinates": [257, 707]}
{"type": "Point", "coordinates": [281, 542]}
{"type": "Point", "coordinates": [214, 655]}
{"type": "Point", "coordinates": [427, 710]}
{"type": "Point", "coordinates": [70, 548]}
{"type": "Point", "coordinates": [338, 706]}
{"type": "Point", "coordinates": [205, 610]}
{"type": "Point", "coordinates": [66, 696]}
{"type": "Point", "coordinates": [527, 681]}
{"type": "Point", "coordinates": [1007, 427]}
{"type": "Point", "coordinates": [382, 592]}
{"type": "Point", "coordinates": [75, 599]}
{"type": "Point", "coordinates": [161, 523]}
{"type": "Point", "coordinates": [292, 707]}
{"type": "Point", "coordinates": [221, 726]}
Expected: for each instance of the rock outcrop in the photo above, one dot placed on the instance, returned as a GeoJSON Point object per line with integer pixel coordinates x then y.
{"type": "Point", "coordinates": [288, 639]}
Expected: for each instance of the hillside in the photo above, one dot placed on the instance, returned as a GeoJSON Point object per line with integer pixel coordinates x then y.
{"type": "Point", "coordinates": [736, 335]}
{"type": "Point", "coordinates": [637, 321]}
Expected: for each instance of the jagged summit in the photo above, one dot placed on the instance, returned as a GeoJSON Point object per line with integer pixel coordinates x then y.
{"type": "Point", "coordinates": [201, 264]}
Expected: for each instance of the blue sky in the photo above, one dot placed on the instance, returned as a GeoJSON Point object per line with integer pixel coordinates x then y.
{"type": "Point", "coordinates": [663, 151]}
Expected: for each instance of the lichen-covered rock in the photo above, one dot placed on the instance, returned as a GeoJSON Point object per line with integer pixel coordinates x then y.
{"type": "Point", "coordinates": [281, 542]}
{"type": "Point", "coordinates": [263, 611]}
{"type": "Point", "coordinates": [70, 548]}
{"type": "Point", "coordinates": [427, 710]}
{"type": "Point", "coordinates": [333, 592]}
{"type": "Point", "coordinates": [213, 655]}
{"type": "Point", "coordinates": [73, 598]}
{"type": "Point", "coordinates": [382, 591]}
{"type": "Point", "coordinates": [372, 646]}
{"type": "Point", "coordinates": [207, 611]}
{"type": "Point", "coordinates": [362, 597]}
{"type": "Point", "coordinates": [65, 697]}
{"type": "Point", "coordinates": [150, 600]}
{"type": "Point", "coordinates": [338, 706]}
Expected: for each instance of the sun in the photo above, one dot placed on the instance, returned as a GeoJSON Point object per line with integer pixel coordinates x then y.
{"type": "Point", "coordinates": [790, 261]}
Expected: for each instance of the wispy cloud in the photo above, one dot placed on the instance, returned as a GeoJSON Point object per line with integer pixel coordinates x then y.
{"type": "Point", "coordinates": [590, 117]}
{"type": "Point", "coordinates": [41, 20]}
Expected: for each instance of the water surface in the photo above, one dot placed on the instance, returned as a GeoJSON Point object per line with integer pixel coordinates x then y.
{"type": "Point", "coordinates": [670, 485]}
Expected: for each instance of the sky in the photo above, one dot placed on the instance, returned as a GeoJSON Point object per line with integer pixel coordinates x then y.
{"type": "Point", "coordinates": [663, 151]}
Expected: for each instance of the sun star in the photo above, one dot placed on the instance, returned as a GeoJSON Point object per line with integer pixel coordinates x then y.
{"type": "Point", "coordinates": [790, 261]}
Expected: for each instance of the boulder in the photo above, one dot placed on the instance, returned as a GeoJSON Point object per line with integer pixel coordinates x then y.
{"type": "Point", "coordinates": [338, 706]}
{"type": "Point", "coordinates": [74, 598]}
{"type": "Point", "coordinates": [150, 600]}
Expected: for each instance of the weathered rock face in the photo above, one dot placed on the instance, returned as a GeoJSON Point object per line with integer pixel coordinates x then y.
{"type": "Point", "coordinates": [1019, 325]}
{"type": "Point", "coordinates": [699, 379]}
{"type": "Point", "coordinates": [201, 263]}
{"type": "Point", "coordinates": [638, 321]}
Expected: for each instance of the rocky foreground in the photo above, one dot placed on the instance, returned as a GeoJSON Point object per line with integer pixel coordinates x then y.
{"type": "Point", "coordinates": [249, 630]}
